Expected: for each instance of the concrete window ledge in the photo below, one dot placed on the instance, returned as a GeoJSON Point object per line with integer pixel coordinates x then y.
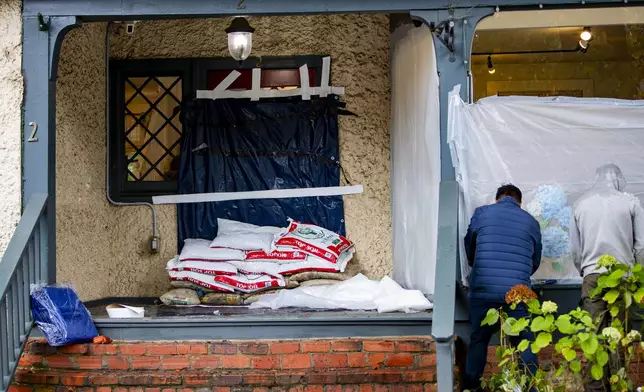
{"type": "Point", "coordinates": [226, 322]}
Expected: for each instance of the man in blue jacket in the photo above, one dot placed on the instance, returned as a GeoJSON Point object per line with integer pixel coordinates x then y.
{"type": "Point", "coordinates": [503, 246]}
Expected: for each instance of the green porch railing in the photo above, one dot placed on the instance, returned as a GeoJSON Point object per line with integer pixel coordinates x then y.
{"type": "Point", "coordinates": [24, 263]}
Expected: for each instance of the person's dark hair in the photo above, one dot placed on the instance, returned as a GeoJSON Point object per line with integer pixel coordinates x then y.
{"type": "Point", "coordinates": [509, 190]}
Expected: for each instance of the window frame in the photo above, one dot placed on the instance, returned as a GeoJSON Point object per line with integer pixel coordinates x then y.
{"type": "Point", "coordinates": [194, 74]}
{"type": "Point", "coordinates": [122, 190]}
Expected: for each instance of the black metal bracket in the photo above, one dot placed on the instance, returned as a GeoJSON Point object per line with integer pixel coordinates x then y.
{"type": "Point", "coordinates": [444, 31]}
{"type": "Point", "coordinates": [42, 24]}
{"type": "Point", "coordinates": [577, 49]}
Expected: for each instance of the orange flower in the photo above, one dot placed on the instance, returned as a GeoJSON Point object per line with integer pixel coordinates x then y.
{"type": "Point", "coordinates": [519, 294]}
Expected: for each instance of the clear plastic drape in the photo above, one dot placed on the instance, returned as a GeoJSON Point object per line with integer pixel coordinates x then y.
{"type": "Point", "coordinates": [415, 159]}
{"type": "Point", "coordinates": [548, 147]}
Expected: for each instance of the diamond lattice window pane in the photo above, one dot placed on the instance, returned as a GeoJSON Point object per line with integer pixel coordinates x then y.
{"type": "Point", "coordinates": [152, 127]}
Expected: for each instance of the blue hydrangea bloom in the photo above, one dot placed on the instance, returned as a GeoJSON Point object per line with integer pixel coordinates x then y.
{"type": "Point", "coordinates": [552, 199]}
{"type": "Point", "coordinates": [563, 217]}
{"type": "Point", "coordinates": [554, 241]}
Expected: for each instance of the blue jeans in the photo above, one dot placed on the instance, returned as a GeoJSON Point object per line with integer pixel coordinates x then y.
{"type": "Point", "coordinates": [480, 339]}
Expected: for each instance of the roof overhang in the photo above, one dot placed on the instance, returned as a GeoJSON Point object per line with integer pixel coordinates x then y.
{"type": "Point", "coordinates": [105, 10]}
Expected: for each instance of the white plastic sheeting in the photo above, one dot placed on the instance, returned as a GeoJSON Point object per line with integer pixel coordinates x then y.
{"type": "Point", "coordinates": [357, 293]}
{"type": "Point", "coordinates": [415, 159]}
{"type": "Point", "coordinates": [542, 145]}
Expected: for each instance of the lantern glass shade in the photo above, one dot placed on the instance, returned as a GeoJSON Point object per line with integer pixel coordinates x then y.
{"type": "Point", "coordinates": [240, 38]}
{"type": "Point", "coordinates": [240, 44]}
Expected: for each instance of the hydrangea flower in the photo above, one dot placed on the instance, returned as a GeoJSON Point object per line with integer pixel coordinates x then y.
{"type": "Point", "coordinates": [519, 294]}
{"type": "Point", "coordinates": [607, 261]}
{"type": "Point", "coordinates": [612, 334]}
{"type": "Point", "coordinates": [549, 307]}
{"type": "Point", "coordinates": [563, 217]}
{"type": "Point", "coordinates": [552, 199]}
{"type": "Point", "coordinates": [633, 335]}
{"type": "Point", "coordinates": [554, 241]}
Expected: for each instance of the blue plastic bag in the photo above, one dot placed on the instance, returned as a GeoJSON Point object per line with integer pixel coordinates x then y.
{"type": "Point", "coordinates": [61, 316]}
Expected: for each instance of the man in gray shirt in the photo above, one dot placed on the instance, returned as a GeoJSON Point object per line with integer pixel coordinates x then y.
{"type": "Point", "coordinates": [605, 221]}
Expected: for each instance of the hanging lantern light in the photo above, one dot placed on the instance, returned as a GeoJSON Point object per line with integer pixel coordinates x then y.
{"type": "Point", "coordinates": [240, 38]}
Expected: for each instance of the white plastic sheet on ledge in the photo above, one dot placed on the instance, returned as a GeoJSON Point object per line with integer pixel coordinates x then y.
{"type": "Point", "coordinates": [544, 146]}
{"type": "Point", "coordinates": [357, 293]}
{"type": "Point", "coordinates": [415, 159]}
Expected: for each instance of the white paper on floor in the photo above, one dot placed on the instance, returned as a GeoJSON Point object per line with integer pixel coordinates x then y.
{"type": "Point", "coordinates": [357, 293]}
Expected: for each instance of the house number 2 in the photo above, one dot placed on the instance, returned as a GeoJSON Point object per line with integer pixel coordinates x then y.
{"type": "Point", "coordinates": [33, 137]}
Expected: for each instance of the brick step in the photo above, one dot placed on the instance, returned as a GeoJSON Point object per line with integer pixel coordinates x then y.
{"type": "Point", "coordinates": [404, 364]}
{"type": "Point", "coordinates": [208, 377]}
{"type": "Point", "coordinates": [300, 388]}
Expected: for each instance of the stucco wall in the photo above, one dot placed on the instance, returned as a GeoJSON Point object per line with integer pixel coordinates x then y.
{"type": "Point", "coordinates": [101, 249]}
{"type": "Point", "coordinates": [11, 89]}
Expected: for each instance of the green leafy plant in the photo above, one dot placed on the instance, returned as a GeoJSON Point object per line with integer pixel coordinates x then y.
{"type": "Point", "coordinates": [581, 351]}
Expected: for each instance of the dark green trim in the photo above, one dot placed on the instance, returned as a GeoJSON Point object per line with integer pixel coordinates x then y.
{"type": "Point", "coordinates": [104, 10]}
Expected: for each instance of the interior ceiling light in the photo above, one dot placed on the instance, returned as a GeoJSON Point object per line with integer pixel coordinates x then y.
{"type": "Point", "coordinates": [240, 38]}
{"type": "Point", "coordinates": [490, 66]}
{"type": "Point", "coordinates": [586, 35]}
{"type": "Point", "coordinates": [584, 40]}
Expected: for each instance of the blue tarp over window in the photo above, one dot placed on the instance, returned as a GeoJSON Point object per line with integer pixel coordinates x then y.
{"type": "Point", "coordinates": [239, 145]}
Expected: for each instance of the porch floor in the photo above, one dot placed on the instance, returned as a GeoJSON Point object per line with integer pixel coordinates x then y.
{"type": "Point", "coordinates": [155, 310]}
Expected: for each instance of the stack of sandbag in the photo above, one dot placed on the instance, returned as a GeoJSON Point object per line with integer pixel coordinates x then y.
{"type": "Point", "coordinates": [249, 259]}
{"type": "Point", "coordinates": [296, 249]}
{"type": "Point", "coordinates": [211, 269]}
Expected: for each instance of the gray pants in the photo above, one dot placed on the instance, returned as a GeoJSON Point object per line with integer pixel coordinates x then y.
{"type": "Point", "coordinates": [598, 308]}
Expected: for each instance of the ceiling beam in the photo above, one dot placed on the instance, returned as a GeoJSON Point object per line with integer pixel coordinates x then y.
{"type": "Point", "coordinates": [564, 18]}
{"type": "Point", "coordinates": [104, 10]}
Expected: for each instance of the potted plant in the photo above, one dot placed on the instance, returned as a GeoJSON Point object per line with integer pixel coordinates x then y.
{"type": "Point", "coordinates": [580, 350]}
